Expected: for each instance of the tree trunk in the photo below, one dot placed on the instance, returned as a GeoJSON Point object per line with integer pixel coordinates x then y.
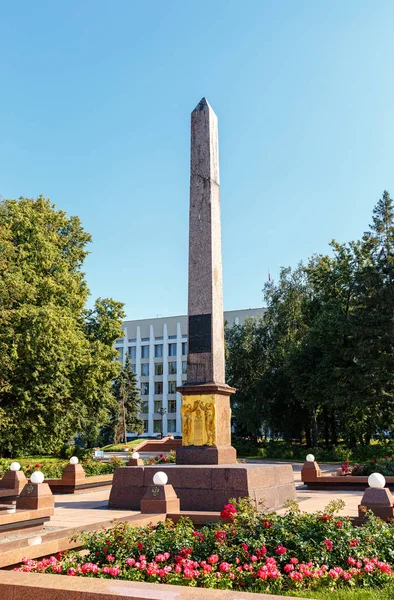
{"type": "Point", "coordinates": [334, 433]}
{"type": "Point", "coordinates": [314, 429]}
{"type": "Point", "coordinates": [326, 428]}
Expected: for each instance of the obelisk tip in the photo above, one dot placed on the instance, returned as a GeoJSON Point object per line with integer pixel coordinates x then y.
{"type": "Point", "coordinates": [202, 105]}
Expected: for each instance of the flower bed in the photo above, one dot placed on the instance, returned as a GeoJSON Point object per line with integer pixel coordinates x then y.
{"type": "Point", "coordinates": [161, 459]}
{"type": "Point", "coordinates": [250, 552]}
{"type": "Point", "coordinates": [385, 466]}
{"type": "Point", "coordinates": [53, 469]}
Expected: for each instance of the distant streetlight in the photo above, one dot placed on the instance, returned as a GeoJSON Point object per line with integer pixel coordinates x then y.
{"type": "Point", "coordinates": [162, 411]}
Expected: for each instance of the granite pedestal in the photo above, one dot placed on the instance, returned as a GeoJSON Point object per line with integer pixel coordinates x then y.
{"type": "Point", "coordinates": [206, 488]}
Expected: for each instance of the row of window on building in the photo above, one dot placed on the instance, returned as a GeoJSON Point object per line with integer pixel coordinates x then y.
{"type": "Point", "coordinates": [172, 368]}
{"type": "Point", "coordinates": [158, 426]}
{"type": "Point", "coordinates": [157, 406]}
{"type": "Point", "coordinates": [158, 389]}
{"type": "Point", "coordinates": [158, 352]}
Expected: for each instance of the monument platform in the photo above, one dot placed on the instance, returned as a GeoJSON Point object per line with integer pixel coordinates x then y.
{"type": "Point", "coordinates": [206, 487]}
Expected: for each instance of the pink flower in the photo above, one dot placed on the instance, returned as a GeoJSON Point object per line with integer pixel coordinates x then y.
{"type": "Point", "coordinates": [245, 546]}
{"type": "Point", "coordinates": [289, 567]}
{"type": "Point", "coordinates": [280, 550]}
{"type": "Point", "coordinates": [347, 576]}
{"type": "Point", "coordinates": [71, 571]}
{"type": "Point", "coordinates": [220, 535]}
{"type": "Point", "coordinates": [130, 562]}
{"type": "Point", "coordinates": [296, 576]}
{"type": "Point", "coordinates": [213, 559]}
{"type": "Point", "coordinates": [110, 558]}
{"type": "Point", "coordinates": [294, 561]}
{"type": "Point", "coordinates": [328, 544]}
{"type": "Point", "coordinates": [224, 567]}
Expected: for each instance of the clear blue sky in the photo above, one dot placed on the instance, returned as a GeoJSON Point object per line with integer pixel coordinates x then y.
{"type": "Point", "coordinates": [95, 113]}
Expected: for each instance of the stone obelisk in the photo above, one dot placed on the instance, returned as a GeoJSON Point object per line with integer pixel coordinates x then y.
{"type": "Point", "coordinates": [206, 414]}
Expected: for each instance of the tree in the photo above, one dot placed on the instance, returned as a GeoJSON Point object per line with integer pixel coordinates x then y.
{"type": "Point", "coordinates": [322, 363]}
{"type": "Point", "coordinates": [126, 393]}
{"type": "Point", "coordinates": [57, 359]}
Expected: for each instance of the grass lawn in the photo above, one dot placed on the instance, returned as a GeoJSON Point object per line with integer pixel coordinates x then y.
{"type": "Point", "coordinates": [119, 447]}
{"type": "Point", "coordinates": [386, 593]}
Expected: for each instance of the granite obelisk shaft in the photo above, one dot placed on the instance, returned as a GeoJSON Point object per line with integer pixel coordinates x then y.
{"type": "Point", "coordinates": [206, 335]}
{"type": "Point", "coordinates": [206, 413]}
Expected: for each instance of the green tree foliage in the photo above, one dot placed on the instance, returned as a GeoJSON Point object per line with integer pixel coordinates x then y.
{"type": "Point", "coordinates": [56, 358]}
{"type": "Point", "coordinates": [321, 365]}
{"type": "Point", "coordinates": [128, 400]}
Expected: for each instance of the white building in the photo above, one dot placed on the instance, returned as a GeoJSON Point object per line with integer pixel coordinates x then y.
{"type": "Point", "coordinates": [158, 355]}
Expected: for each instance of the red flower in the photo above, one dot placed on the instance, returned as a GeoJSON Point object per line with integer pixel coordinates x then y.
{"type": "Point", "coordinates": [325, 517]}
{"type": "Point", "coordinates": [37, 466]}
{"type": "Point", "coordinates": [220, 535]}
{"type": "Point", "coordinates": [228, 512]}
{"type": "Point", "coordinates": [280, 550]}
{"type": "Point", "coordinates": [140, 546]}
{"type": "Point", "coordinates": [328, 544]}
{"type": "Point", "coordinates": [339, 524]}
{"type": "Point", "coordinates": [213, 559]}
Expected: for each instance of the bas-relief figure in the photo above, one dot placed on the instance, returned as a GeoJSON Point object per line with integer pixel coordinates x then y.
{"type": "Point", "coordinates": [198, 421]}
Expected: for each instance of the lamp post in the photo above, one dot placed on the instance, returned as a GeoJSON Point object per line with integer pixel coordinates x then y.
{"type": "Point", "coordinates": [162, 411]}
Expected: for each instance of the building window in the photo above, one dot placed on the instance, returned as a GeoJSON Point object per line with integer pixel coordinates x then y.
{"type": "Point", "coordinates": [171, 349]}
{"type": "Point", "coordinates": [159, 337]}
{"type": "Point", "coordinates": [119, 341]}
{"type": "Point", "coordinates": [120, 357]}
{"type": "Point", "coordinates": [171, 425]}
{"type": "Point", "coordinates": [184, 348]}
{"type": "Point", "coordinates": [158, 368]}
{"type": "Point", "coordinates": [145, 369]}
{"type": "Point", "coordinates": [172, 368]}
{"type": "Point", "coordinates": [158, 387]}
{"type": "Point", "coordinates": [132, 351]}
{"type": "Point", "coordinates": [144, 351]}
{"type": "Point", "coordinates": [133, 367]}
{"type": "Point", "coordinates": [145, 339]}
{"type": "Point", "coordinates": [172, 406]}
{"type": "Point", "coordinates": [171, 387]}
{"type": "Point", "coordinates": [144, 389]}
{"type": "Point", "coordinates": [158, 350]}
{"type": "Point", "coordinates": [157, 406]}
{"type": "Point", "coordinates": [145, 407]}
{"type": "Point", "coordinates": [132, 340]}
{"type": "Point", "coordinates": [184, 367]}
{"type": "Point", "coordinates": [172, 337]}
{"type": "Point", "coordinates": [184, 335]}
{"type": "Point", "coordinates": [157, 426]}
{"type": "Point", "coordinates": [146, 426]}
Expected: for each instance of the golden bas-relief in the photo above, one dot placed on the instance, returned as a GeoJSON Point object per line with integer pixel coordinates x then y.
{"type": "Point", "coordinates": [198, 421]}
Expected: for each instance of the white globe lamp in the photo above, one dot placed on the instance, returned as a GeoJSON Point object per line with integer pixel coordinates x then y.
{"type": "Point", "coordinates": [376, 480]}
{"type": "Point", "coordinates": [310, 458]}
{"type": "Point", "coordinates": [135, 455]}
{"type": "Point", "coordinates": [160, 478]}
{"type": "Point", "coordinates": [15, 466]}
{"type": "Point", "coordinates": [37, 477]}
{"type": "Point", "coordinates": [74, 460]}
